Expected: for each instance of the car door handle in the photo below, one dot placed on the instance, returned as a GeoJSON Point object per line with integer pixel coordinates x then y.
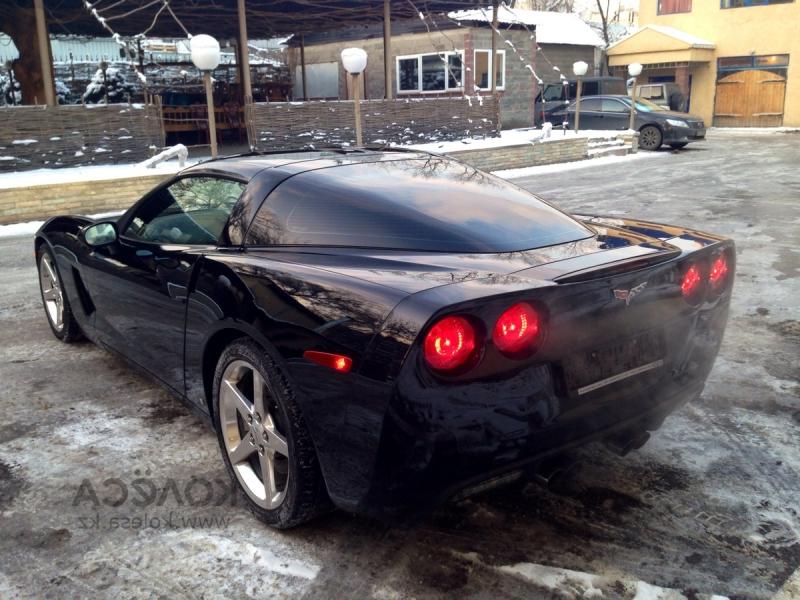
{"type": "Point", "coordinates": [147, 254]}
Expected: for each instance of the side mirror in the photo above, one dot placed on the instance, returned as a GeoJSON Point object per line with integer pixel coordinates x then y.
{"type": "Point", "coordinates": [100, 234]}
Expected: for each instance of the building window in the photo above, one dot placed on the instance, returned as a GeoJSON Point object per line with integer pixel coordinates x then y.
{"type": "Point", "coordinates": [430, 73]}
{"type": "Point", "coordinates": [743, 3]}
{"type": "Point", "coordinates": [483, 67]}
{"type": "Point", "coordinates": [670, 7]}
{"type": "Point", "coordinates": [776, 63]}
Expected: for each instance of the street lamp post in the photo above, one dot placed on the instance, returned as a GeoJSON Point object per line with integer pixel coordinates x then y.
{"type": "Point", "coordinates": [634, 70]}
{"type": "Point", "coordinates": [579, 68]}
{"type": "Point", "coordinates": [205, 56]}
{"type": "Point", "coordinates": [354, 61]}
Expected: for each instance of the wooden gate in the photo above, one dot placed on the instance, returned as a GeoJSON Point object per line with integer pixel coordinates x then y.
{"type": "Point", "coordinates": [750, 99]}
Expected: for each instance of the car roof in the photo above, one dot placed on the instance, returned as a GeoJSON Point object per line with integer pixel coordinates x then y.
{"type": "Point", "coordinates": [291, 162]}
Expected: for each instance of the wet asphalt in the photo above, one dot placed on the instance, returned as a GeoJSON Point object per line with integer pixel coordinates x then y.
{"type": "Point", "coordinates": [110, 487]}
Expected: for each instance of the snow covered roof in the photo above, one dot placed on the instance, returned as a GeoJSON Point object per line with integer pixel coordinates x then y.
{"type": "Point", "coordinates": [687, 38]}
{"type": "Point", "coordinates": [551, 27]}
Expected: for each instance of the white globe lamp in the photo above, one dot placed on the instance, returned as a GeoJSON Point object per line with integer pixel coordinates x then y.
{"type": "Point", "coordinates": [580, 68]}
{"type": "Point", "coordinates": [205, 52]}
{"type": "Point", "coordinates": [205, 56]}
{"type": "Point", "coordinates": [354, 60]}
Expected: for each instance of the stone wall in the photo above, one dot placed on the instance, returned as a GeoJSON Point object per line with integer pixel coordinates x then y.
{"type": "Point", "coordinates": [34, 137]}
{"type": "Point", "coordinates": [85, 197]}
{"type": "Point", "coordinates": [281, 125]}
{"type": "Point", "coordinates": [532, 154]}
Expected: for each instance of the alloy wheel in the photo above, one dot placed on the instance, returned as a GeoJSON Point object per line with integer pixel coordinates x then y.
{"type": "Point", "coordinates": [257, 450]}
{"type": "Point", "coordinates": [51, 292]}
{"type": "Point", "coordinates": [650, 138]}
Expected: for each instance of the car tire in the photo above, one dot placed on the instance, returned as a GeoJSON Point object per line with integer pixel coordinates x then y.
{"type": "Point", "coordinates": [273, 435]}
{"type": "Point", "coordinates": [650, 138]}
{"type": "Point", "coordinates": [54, 299]}
{"type": "Point", "coordinates": [678, 145]}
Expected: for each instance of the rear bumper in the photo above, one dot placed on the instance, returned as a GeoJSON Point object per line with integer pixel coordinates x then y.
{"type": "Point", "coordinates": [416, 472]}
{"type": "Point", "coordinates": [436, 443]}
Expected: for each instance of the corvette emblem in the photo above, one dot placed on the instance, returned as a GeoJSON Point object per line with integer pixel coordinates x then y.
{"type": "Point", "coordinates": [630, 294]}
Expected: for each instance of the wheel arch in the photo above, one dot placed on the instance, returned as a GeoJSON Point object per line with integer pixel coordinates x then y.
{"type": "Point", "coordinates": [655, 124]}
{"type": "Point", "coordinates": [220, 339]}
{"type": "Point", "coordinates": [213, 350]}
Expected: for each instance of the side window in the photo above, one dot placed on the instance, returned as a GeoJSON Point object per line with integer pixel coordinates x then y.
{"type": "Point", "coordinates": [553, 92]}
{"type": "Point", "coordinates": [590, 104]}
{"type": "Point", "coordinates": [573, 90]}
{"type": "Point", "coordinates": [590, 88]}
{"type": "Point", "coordinates": [614, 106]}
{"type": "Point", "coordinates": [650, 92]}
{"type": "Point", "coordinates": [193, 210]}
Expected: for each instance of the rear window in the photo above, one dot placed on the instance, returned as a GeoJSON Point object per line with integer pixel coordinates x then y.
{"type": "Point", "coordinates": [615, 87]}
{"type": "Point", "coordinates": [428, 205]}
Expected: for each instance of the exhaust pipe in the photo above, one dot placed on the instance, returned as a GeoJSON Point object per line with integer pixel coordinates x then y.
{"type": "Point", "coordinates": [550, 470]}
{"type": "Point", "coordinates": [624, 443]}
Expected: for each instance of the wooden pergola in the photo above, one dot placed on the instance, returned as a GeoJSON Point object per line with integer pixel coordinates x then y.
{"type": "Point", "coordinates": [29, 21]}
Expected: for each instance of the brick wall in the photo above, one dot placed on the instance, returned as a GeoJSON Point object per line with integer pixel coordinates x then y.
{"type": "Point", "coordinates": [402, 44]}
{"type": "Point", "coordinates": [278, 125]}
{"type": "Point", "coordinates": [33, 137]}
{"type": "Point", "coordinates": [562, 56]}
{"type": "Point", "coordinates": [84, 197]}
{"type": "Point", "coordinates": [515, 100]}
{"type": "Point", "coordinates": [525, 155]}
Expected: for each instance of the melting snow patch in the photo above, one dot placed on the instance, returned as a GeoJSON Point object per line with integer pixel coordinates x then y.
{"type": "Point", "coordinates": [582, 585]}
{"type": "Point", "coordinates": [578, 584]}
{"type": "Point", "coordinates": [25, 142]}
{"type": "Point", "coordinates": [578, 164]}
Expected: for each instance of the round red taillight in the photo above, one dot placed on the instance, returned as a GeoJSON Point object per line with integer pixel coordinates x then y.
{"type": "Point", "coordinates": [450, 344]}
{"type": "Point", "coordinates": [719, 273]}
{"type": "Point", "coordinates": [691, 283]}
{"type": "Point", "coordinates": [517, 330]}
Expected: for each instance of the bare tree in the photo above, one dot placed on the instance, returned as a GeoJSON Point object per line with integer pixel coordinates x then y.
{"type": "Point", "coordinates": [17, 20]}
{"type": "Point", "coordinates": [604, 17]}
{"type": "Point", "coordinates": [566, 6]}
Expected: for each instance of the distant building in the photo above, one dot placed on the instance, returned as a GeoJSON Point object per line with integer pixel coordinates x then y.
{"type": "Point", "coordinates": [738, 61]}
{"type": "Point", "coordinates": [452, 56]}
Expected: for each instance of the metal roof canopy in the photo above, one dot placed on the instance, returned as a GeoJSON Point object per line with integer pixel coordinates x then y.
{"type": "Point", "coordinates": [265, 18]}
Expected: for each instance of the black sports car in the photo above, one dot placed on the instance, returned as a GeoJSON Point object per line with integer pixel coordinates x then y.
{"type": "Point", "coordinates": [385, 329]}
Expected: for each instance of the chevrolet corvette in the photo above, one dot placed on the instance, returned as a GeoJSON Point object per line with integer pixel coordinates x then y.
{"type": "Point", "coordinates": [381, 330]}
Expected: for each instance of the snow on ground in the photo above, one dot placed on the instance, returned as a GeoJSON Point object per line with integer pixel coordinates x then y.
{"type": "Point", "coordinates": [510, 137]}
{"type": "Point", "coordinates": [751, 130]}
{"type": "Point", "coordinates": [569, 583]}
{"type": "Point", "coordinates": [28, 228]}
{"type": "Point", "coordinates": [579, 164]}
{"type": "Point", "coordinates": [91, 173]}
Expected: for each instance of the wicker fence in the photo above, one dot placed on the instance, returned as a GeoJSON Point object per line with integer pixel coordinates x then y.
{"type": "Point", "coordinates": [33, 137]}
{"type": "Point", "coordinates": [282, 125]}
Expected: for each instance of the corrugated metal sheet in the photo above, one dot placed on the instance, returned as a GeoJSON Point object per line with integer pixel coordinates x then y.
{"type": "Point", "coordinates": [68, 49]}
{"type": "Point", "coordinates": [93, 50]}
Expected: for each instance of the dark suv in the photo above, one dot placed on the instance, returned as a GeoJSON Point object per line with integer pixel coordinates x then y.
{"type": "Point", "coordinates": [555, 96]}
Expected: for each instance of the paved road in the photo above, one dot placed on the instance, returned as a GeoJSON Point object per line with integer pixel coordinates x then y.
{"type": "Point", "coordinates": [710, 505]}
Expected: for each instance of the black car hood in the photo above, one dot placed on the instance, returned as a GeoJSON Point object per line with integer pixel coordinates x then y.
{"type": "Point", "coordinates": [674, 114]}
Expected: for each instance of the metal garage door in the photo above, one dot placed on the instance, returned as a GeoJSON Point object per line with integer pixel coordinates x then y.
{"type": "Point", "coordinates": [750, 99]}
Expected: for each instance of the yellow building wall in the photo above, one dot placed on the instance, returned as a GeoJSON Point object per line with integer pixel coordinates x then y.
{"type": "Point", "coordinates": [773, 29]}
